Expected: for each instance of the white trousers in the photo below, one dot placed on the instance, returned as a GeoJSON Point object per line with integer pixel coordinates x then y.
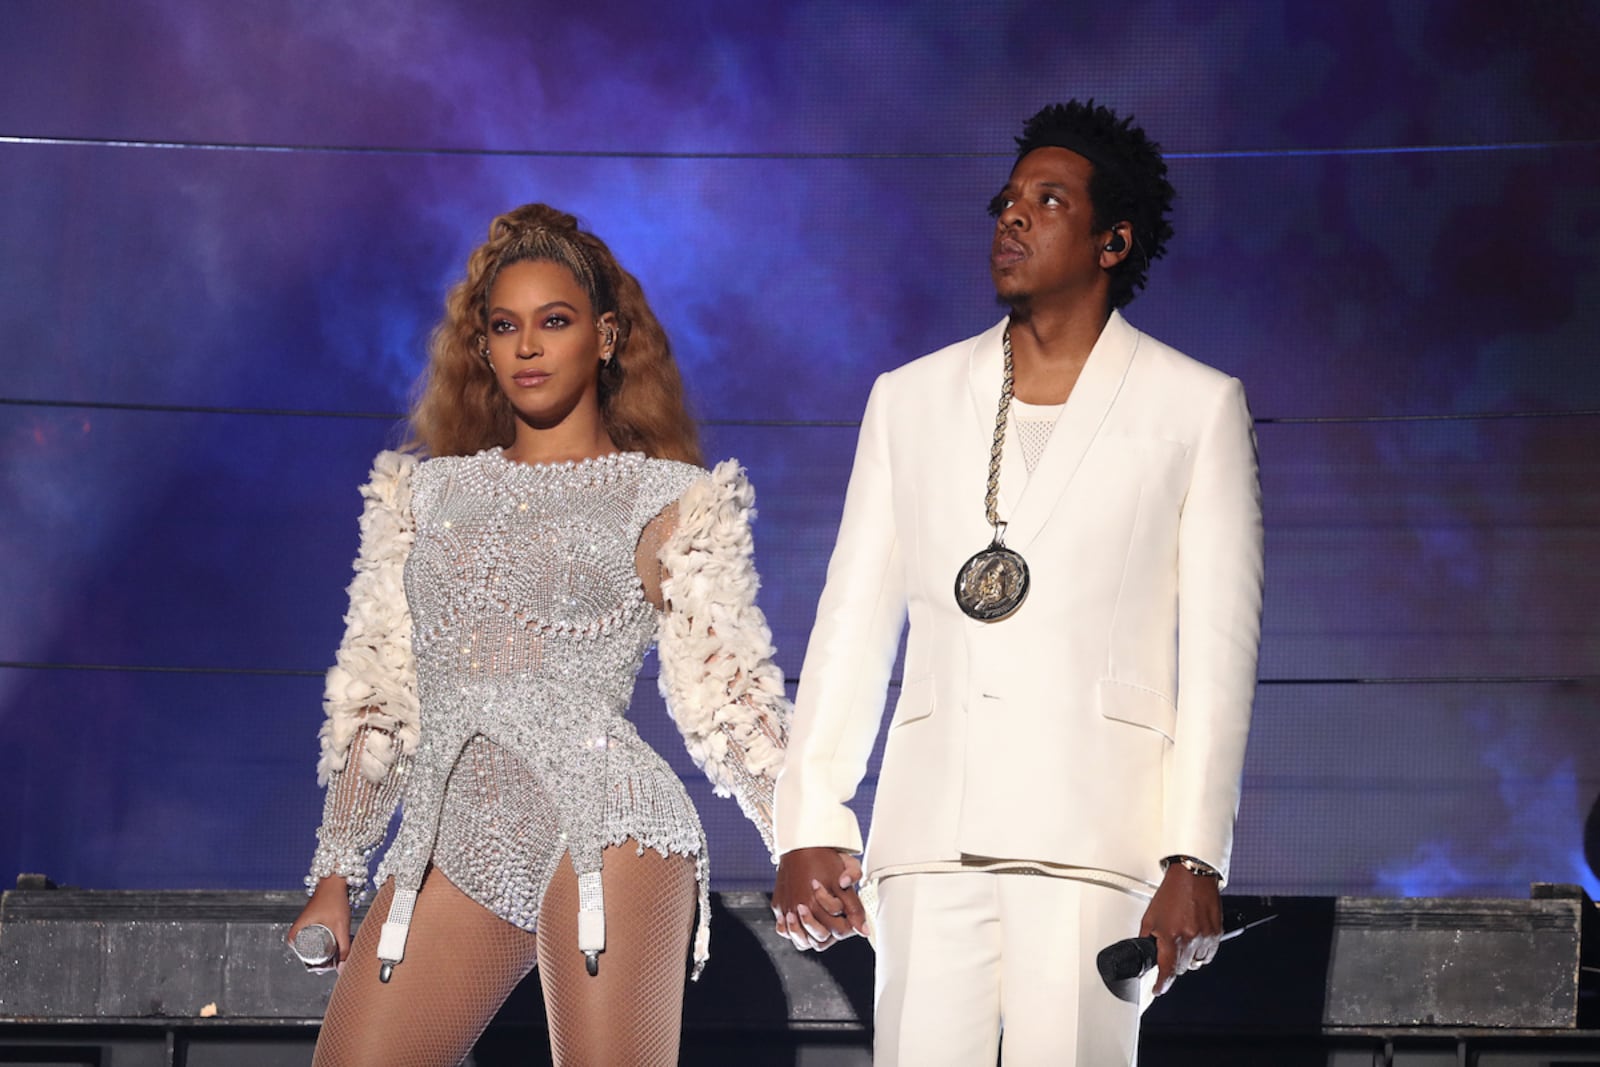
{"type": "Point", "coordinates": [964, 957]}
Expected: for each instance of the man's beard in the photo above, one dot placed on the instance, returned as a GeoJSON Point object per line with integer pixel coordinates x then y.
{"type": "Point", "coordinates": [1019, 304]}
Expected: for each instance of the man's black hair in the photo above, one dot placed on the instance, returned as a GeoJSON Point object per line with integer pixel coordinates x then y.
{"type": "Point", "coordinates": [1129, 180]}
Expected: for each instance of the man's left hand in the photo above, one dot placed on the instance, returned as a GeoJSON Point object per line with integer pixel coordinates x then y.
{"type": "Point", "coordinates": [1186, 918]}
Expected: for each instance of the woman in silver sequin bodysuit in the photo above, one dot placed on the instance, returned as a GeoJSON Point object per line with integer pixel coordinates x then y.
{"type": "Point", "coordinates": [507, 590]}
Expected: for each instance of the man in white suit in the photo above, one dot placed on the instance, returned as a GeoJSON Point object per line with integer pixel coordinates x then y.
{"type": "Point", "coordinates": [1062, 768]}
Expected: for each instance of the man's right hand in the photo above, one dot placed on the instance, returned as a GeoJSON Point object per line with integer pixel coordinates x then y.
{"type": "Point", "coordinates": [815, 902]}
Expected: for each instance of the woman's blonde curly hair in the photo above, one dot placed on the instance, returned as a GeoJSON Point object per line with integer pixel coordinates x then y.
{"type": "Point", "coordinates": [460, 408]}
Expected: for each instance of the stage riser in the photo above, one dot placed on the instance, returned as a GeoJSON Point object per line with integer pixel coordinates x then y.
{"type": "Point", "coordinates": [121, 964]}
{"type": "Point", "coordinates": [72, 955]}
{"type": "Point", "coordinates": [236, 1045]}
{"type": "Point", "coordinates": [1508, 963]}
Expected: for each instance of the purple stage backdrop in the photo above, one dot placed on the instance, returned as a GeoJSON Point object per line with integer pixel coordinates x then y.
{"type": "Point", "coordinates": [228, 228]}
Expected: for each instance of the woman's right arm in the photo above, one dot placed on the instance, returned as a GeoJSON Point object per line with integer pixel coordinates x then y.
{"type": "Point", "coordinates": [371, 728]}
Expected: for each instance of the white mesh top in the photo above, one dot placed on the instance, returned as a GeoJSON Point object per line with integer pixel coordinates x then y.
{"type": "Point", "coordinates": [1034, 425]}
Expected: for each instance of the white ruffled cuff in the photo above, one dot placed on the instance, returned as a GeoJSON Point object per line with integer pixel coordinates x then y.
{"type": "Point", "coordinates": [374, 680]}
{"type": "Point", "coordinates": [370, 693]}
{"type": "Point", "coordinates": [717, 674]}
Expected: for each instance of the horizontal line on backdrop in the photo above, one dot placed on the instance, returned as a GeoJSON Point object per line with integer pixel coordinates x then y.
{"type": "Point", "coordinates": [1466, 416]}
{"type": "Point", "coordinates": [1531, 679]}
{"type": "Point", "coordinates": [200, 409]}
{"type": "Point", "coordinates": [273, 672]}
{"type": "Point", "coordinates": [1485, 679]}
{"type": "Point", "coordinates": [555, 153]}
{"type": "Point", "coordinates": [1363, 780]}
{"type": "Point", "coordinates": [395, 416]}
{"type": "Point", "coordinates": [385, 416]}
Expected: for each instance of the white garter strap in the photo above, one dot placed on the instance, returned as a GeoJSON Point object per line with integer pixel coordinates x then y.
{"type": "Point", "coordinates": [392, 942]}
{"type": "Point", "coordinates": [591, 919]}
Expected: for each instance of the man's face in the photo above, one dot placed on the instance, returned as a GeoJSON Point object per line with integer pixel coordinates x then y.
{"type": "Point", "coordinates": [1045, 244]}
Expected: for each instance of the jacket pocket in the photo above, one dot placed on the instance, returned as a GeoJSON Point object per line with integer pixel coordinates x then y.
{"type": "Point", "coordinates": [916, 702]}
{"type": "Point", "coordinates": [1138, 706]}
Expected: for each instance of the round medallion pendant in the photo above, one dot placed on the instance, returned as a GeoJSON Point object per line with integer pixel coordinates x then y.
{"type": "Point", "coordinates": [992, 584]}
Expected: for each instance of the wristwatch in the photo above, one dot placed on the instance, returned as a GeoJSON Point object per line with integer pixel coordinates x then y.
{"type": "Point", "coordinates": [1193, 866]}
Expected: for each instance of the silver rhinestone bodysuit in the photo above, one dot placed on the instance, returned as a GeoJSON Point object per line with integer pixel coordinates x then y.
{"type": "Point", "coordinates": [528, 626]}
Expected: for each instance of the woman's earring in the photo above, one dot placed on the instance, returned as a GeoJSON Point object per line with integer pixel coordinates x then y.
{"type": "Point", "coordinates": [483, 347]}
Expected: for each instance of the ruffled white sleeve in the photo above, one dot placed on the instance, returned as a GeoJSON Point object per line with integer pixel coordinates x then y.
{"type": "Point", "coordinates": [370, 696]}
{"type": "Point", "coordinates": [717, 673]}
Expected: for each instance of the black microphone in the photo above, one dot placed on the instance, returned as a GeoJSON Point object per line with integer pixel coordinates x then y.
{"type": "Point", "coordinates": [1134, 956]}
{"type": "Point", "coordinates": [1129, 958]}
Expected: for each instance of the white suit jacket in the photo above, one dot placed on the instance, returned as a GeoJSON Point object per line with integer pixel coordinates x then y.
{"type": "Point", "coordinates": [1103, 724]}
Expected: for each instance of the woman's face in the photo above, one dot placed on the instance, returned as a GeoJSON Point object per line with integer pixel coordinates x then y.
{"type": "Point", "coordinates": [545, 341]}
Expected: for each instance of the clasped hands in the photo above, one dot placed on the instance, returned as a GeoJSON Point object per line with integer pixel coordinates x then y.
{"type": "Point", "coordinates": [815, 903]}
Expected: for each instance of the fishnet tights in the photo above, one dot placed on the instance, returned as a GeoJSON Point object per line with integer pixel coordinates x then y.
{"type": "Point", "coordinates": [632, 1011]}
{"type": "Point", "coordinates": [462, 961]}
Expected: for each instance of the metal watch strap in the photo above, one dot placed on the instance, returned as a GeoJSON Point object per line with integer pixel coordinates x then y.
{"type": "Point", "coordinates": [1193, 866]}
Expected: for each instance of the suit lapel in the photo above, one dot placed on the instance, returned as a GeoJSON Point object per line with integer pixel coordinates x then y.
{"type": "Point", "coordinates": [985, 371]}
{"type": "Point", "coordinates": [1087, 406]}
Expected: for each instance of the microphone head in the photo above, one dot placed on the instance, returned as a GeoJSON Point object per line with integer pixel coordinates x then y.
{"type": "Point", "coordinates": [1126, 959]}
{"type": "Point", "coordinates": [315, 945]}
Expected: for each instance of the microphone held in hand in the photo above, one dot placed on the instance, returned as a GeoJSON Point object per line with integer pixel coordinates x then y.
{"type": "Point", "coordinates": [315, 945]}
{"type": "Point", "coordinates": [1134, 956]}
{"type": "Point", "coordinates": [1129, 958]}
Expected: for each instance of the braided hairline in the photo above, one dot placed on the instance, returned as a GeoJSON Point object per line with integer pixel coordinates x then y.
{"type": "Point", "coordinates": [544, 243]}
